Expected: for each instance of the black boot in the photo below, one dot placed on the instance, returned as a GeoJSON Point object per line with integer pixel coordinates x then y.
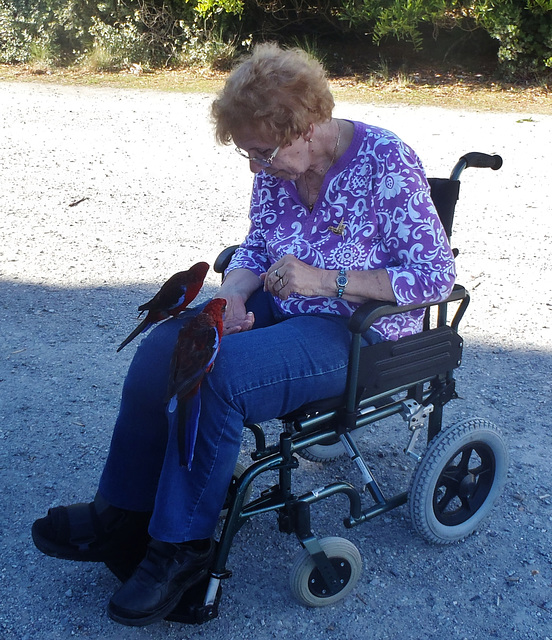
{"type": "Point", "coordinates": [93, 532]}
{"type": "Point", "coordinates": [157, 585]}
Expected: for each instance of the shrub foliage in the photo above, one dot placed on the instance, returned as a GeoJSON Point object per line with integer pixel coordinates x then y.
{"type": "Point", "coordinates": [114, 34]}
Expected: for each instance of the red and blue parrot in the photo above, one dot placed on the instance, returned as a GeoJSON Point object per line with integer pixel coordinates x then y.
{"type": "Point", "coordinates": [173, 297]}
{"type": "Point", "coordinates": [194, 354]}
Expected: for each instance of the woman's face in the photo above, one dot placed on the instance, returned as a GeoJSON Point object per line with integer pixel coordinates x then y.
{"type": "Point", "coordinates": [290, 161]}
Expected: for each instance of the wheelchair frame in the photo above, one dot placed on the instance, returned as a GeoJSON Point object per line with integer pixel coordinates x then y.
{"type": "Point", "coordinates": [412, 377]}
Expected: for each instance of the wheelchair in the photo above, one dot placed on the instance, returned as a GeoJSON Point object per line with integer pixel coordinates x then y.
{"type": "Point", "coordinates": [456, 481]}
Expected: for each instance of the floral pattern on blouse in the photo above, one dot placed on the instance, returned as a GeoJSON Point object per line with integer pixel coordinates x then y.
{"type": "Point", "coordinates": [374, 211]}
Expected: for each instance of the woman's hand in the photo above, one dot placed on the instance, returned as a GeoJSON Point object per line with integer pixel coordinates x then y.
{"type": "Point", "coordinates": [291, 275]}
{"type": "Point", "coordinates": [236, 289]}
{"type": "Point", "coordinates": [236, 318]}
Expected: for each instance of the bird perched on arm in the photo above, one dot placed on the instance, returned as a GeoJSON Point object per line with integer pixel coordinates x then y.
{"type": "Point", "coordinates": [194, 354]}
{"type": "Point", "coordinates": [173, 297]}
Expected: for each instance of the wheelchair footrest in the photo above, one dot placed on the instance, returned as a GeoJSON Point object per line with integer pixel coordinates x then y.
{"type": "Point", "coordinates": [192, 610]}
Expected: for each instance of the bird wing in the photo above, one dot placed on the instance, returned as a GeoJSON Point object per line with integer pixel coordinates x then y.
{"type": "Point", "coordinates": [196, 348]}
{"type": "Point", "coordinates": [178, 291]}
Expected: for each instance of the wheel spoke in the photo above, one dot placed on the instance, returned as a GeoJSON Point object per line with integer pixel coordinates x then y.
{"type": "Point", "coordinates": [464, 463]}
{"type": "Point", "coordinates": [484, 467]}
{"type": "Point", "coordinates": [441, 504]}
{"type": "Point", "coordinates": [450, 477]}
{"type": "Point", "coordinates": [454, 500]}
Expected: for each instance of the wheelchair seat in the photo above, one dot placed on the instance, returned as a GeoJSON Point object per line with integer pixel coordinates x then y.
{"type": "Point", "coordinates": [458, 476]}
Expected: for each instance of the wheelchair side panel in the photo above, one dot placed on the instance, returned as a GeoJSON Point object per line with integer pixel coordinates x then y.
{"type": "Point", "coordinates": [389, 365]}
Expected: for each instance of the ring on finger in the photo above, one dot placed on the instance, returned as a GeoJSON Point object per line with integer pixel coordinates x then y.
{"type": "Point", "coordinates": [277, 274]}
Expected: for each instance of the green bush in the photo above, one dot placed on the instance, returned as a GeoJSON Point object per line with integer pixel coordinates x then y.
{"type": "Point", "coordinates": [116, 33]}
{"type": "Point", "coordinates": [201, 49]}
{"type": "Point", "coordinates": [524, 30]}
{"type": "Point", "coordinates": [395, 18]}
{"type": "Point", "coordinates": [17, 33]}
{"type": "Point", "coordinates": [116, 47]}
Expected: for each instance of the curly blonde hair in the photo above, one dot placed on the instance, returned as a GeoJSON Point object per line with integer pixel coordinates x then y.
{"type": "Point", "coordinates": [276, 92]}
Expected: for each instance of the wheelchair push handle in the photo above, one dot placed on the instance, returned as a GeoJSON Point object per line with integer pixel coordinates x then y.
{"type": "Point", "coordinates": [477, 160]}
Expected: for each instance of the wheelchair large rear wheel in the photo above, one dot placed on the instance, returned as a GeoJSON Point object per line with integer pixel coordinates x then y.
{"type": "Point", "coordinates": [331, 451]}
{"type": "Point", "coordinates": [306, 581]}
{"type": "Point", "coordinates": [239, 470]}
{"type": "Point", "coordinates": [458, 480]}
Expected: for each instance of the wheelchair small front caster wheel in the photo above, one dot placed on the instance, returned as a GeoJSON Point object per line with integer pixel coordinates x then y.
{"type": "Point", "coordinates": [458, 480]}
{"type": "Point", "coordinates": [306, 582]}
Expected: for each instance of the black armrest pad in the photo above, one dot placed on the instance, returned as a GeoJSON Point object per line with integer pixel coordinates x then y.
{"type": "Point", "coordinates": [365, 316]}
{"type": "Point", "coordinates": [223, 258]}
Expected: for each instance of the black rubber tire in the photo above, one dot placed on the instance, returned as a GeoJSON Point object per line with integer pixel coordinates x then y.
{"type": "Point", "coordinates": [328, 452]}
{"type": "Point", "coordinates": [458, 480]}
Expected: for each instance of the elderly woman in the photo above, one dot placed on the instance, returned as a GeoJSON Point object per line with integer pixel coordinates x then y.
{"type": "Point", "coordinates": [340, 214]}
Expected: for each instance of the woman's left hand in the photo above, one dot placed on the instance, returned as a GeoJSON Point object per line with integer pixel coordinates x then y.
{"type": "Point", "coordinates": [291, 275]}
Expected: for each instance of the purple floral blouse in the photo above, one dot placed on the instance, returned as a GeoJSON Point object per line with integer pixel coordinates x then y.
{"type": "Point", "coordinates": [373, 211]}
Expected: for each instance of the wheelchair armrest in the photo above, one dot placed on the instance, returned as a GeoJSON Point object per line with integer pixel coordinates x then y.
{"type": "Point", "coordinates": [365, 316]}
{"type": "Point", "coordinates": [223, 258]}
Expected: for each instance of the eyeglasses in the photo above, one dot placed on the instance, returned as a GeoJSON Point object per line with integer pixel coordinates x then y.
{"type": "Point", "coordinates": [262, 162]}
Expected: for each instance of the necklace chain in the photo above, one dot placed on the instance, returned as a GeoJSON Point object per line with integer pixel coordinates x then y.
{"type": "Point", "coordinates": [334, 156]}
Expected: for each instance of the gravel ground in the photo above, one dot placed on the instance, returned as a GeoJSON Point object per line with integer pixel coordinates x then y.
{"type": "Point", "coordinates": [104, 194]}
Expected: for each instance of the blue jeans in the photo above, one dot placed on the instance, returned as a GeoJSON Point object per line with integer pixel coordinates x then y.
{"type": "Point", "coordinates": [258, 375]}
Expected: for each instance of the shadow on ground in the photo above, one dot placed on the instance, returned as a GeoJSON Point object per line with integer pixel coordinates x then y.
{"type": "Point", "coordinates": [60, 382]}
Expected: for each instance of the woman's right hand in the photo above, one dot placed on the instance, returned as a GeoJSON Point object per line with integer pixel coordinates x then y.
{"type": "Point", "coordinates": [236, 318]}
{"type": "Point", "coordinates": [238, 285]}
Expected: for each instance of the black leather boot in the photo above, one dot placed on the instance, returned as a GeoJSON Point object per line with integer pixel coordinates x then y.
{"type": "Point", "coordinates": [157, 585]}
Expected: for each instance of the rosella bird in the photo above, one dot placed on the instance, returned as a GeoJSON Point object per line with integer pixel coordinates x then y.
{"type": "Point", "coordinates": [194, 354]}
{"type": "Point", "coordinates": [173, 297]}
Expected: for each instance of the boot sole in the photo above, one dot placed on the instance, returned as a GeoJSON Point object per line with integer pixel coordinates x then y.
{"type": "Point", "coordinates": [65, 552]}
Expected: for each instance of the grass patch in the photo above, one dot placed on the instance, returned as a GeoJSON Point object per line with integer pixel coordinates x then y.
{"type": "Point", "coordinates": [422, 88]}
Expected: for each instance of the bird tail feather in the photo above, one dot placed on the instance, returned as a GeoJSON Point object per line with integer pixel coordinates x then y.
{"type": "Point", "coordinates": [187, 433]}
